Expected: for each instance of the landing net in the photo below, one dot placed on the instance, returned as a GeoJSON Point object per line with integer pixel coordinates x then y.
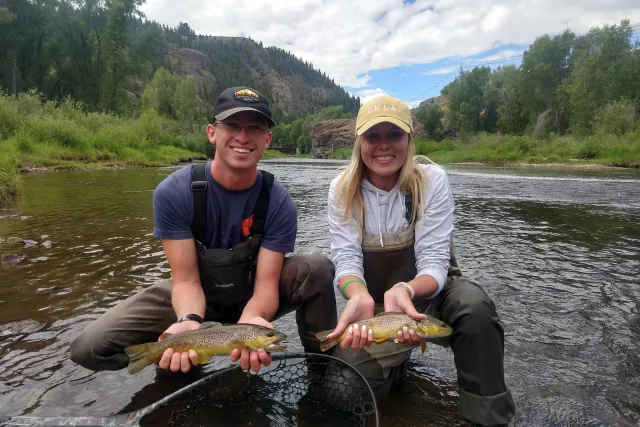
{"type": "Point", "coordinates": [297, 389]}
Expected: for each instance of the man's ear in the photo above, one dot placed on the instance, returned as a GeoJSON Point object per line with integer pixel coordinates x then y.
{"type": "Point", "coordinates": [211, 133]}
{"type": "Point", "coordinates": [269, 137]}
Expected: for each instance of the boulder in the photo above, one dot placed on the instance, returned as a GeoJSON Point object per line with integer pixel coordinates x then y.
{"type": "Point", "coordinates": [330, 135]}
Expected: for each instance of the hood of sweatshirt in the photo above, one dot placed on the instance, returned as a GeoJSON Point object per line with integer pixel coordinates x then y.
{"type": "Point", "coordinates": [385, 210]}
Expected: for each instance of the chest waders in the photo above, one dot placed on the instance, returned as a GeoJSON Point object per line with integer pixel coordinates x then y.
{"type": "Point", "coordinates": [384, 266]}
{"type": "Point", "coordinates": [227, 275]}
{"type": "Point", "coordinates": [477, 340]}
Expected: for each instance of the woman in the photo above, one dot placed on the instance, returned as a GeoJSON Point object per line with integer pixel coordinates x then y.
{"type": "Point", "coordinates": [391, 223]}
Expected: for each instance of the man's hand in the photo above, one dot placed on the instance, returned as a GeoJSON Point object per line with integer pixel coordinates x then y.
{"type": "Point", "coordinates": [179, 361]}
{"type": "Point", "coordinates": [251, 358]}
{"type": "Point", "coordinates": [360, 306]}
{"type": "Point", "coordinates": [398, 299]}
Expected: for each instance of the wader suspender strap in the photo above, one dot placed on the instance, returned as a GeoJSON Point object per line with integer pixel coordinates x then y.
{"type": "Point", "coordinates": [408, 202]}
{"type": "Point", "coordinates": [262, 205]}
{"type": "Point", "coordinates": [199, 189]}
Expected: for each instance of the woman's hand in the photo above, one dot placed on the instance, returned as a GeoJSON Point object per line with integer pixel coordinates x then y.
{"type": "Point", "coordinates": [398, 299]}
{"type": "Point", "coordinates": [179, 361]}
{"type": "Point", "coordinates": [360, 306]}
{"type": "Point", "coordinates": [253, 359]}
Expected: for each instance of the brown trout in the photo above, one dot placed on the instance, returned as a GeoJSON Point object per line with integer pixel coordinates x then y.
{"type": "Point", "coordinates": [212, 339]}
{"type": "Point", "coordinates": [385, 326]}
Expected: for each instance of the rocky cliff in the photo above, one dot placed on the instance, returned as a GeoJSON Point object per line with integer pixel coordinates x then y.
{"type": "Point", "coordinates": [293, 86]}
{"type": "Point", "coordinates": [330, 135]}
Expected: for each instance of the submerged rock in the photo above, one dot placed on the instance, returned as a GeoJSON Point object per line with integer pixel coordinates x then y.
{"type": "Point", "coordinates": [22, 327]}
{"type": "Point", "coordinates": [29, 243]}
{"type": "Point", "coordinates": [13, 259]}
{"type": "Point", "coordinates": [47, 244]}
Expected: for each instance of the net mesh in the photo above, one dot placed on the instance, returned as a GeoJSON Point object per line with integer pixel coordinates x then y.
{"type": "Point", "coordinates": [295, 390]}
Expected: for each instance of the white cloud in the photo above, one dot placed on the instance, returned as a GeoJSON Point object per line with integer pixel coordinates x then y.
{"type": "Point", "coordinates": [357, 82]}
{"type": "Point", "coordinates": [368, 94]}
{"type": "Point", "coordinates": [439, 71]}
{"type": "Point", "coordinates": [346, 39]}
{"type": "Point", "coordinates": [504, 54]}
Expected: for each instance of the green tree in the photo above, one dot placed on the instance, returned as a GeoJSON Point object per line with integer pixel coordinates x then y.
{"type": "Point", "coordinates": [173, 97]}
{"type": "Point", "coordinates": [507, 86]}
{"type": "Point", "coordinates": [546, 64]}
{"type": "Point", "coordinates": [468, 110]}
{"type": "Point", "coordinates": [430, 117]}
{"type": "Point", "coordinates": [187, 105]}
{"type": "Point", "coordinates": [120, 14]}
{"type": "Point", "coordinates": [605, 70]}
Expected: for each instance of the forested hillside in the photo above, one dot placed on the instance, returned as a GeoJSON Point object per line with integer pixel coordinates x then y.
{"type": "Point", "coordinates": [103, 53]}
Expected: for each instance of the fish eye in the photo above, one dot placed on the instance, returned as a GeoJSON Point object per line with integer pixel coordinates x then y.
{"type": "Point", "coordinates": [271, 334]}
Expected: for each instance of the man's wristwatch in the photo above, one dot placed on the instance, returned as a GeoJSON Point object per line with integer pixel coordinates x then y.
{"type": "Point", "coordinates": [194, 317]}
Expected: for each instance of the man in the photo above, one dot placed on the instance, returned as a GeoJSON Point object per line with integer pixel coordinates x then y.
{"type": "Point", "coordinates": [225, 228]}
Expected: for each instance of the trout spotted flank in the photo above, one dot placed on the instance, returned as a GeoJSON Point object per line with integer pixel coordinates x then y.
{"type": "Point", "coordinates": [212, 339]}
{"type": "Point", "coordinates": [385, 326]}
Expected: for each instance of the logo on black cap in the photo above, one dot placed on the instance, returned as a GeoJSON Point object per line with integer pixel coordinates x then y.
{"type": "Point", "coordinates": [241, 98]}
{"type": "Point", "coordinates": [246, 95]}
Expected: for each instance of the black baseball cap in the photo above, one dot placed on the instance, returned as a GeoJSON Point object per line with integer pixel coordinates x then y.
{"type": "Point", "coordinates": [242, 98]}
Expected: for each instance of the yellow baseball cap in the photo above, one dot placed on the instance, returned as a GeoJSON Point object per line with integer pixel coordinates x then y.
{"type": "Point", "coordinates": [381, 109]}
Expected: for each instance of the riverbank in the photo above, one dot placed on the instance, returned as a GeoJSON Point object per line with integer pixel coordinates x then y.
{"type": "Point", "coordinates": [508, 150]}
{"type": "Point", "coordinates": [40, 135]}
{"type": "Point", "coordinates": [12, 168]}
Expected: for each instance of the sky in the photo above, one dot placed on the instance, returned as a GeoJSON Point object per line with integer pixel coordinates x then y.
{"type": "Point", "coordinates": [405, 48]}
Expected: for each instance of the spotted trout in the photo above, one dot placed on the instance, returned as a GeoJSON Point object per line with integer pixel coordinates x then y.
{"type": "Point", "coordinates": [212, 339]}
{"type": "Point", "coordinates": [385, 327]}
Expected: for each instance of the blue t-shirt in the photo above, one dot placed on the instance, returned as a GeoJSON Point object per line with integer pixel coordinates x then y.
{"type": "Point", "coordinates": [173, 212]}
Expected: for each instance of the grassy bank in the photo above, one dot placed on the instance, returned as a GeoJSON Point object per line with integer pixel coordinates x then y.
{"type": "Point", "coordinates": [502, 150]}
{"type": "Point", "coordinates": [36, 134]}
{"type": "Point", "coordinates": [39, 134]}
{"type": "Point", "coordinates": [9, 179]}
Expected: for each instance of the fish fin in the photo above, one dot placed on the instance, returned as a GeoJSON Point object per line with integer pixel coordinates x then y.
{"type": "Point", "coordinates": [423, 346]}
{"type": "Point", "coordinates": [322, 335]}
{"type": "Point", "coordinates": [139, 357]}
{"type": "Point", "coordinates": [380, 339]}
{"type": "Point", "coordinates": [164, 336]}
{"type": "Point", "coordinates": [237, 344]}
{"type": "Point", "coordinates": [325, 343]}
{"type": "Point", "coordinates": [204, 357]}
{"type": "Point", "coordinates": [206, 325]}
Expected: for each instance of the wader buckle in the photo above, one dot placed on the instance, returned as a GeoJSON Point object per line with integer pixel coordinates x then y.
{"type": "Point", "coordinates": [199, 186]}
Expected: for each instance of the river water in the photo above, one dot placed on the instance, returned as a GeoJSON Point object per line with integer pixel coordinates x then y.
{"type": "Point", "coordinates": [557, 250]}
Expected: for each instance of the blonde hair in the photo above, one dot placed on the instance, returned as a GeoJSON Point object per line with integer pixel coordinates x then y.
{"type": "Point", "coordinates": [412, 180]}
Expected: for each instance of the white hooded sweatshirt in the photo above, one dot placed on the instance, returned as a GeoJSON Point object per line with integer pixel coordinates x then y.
{"type": "Point", "coordinates": [385, 212]}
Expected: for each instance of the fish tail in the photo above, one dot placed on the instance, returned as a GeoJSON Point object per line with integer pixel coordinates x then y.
{"type": "Point", "coordinates": [140, 356]}
{"type": "Point", "coordinates": [326, 343]}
